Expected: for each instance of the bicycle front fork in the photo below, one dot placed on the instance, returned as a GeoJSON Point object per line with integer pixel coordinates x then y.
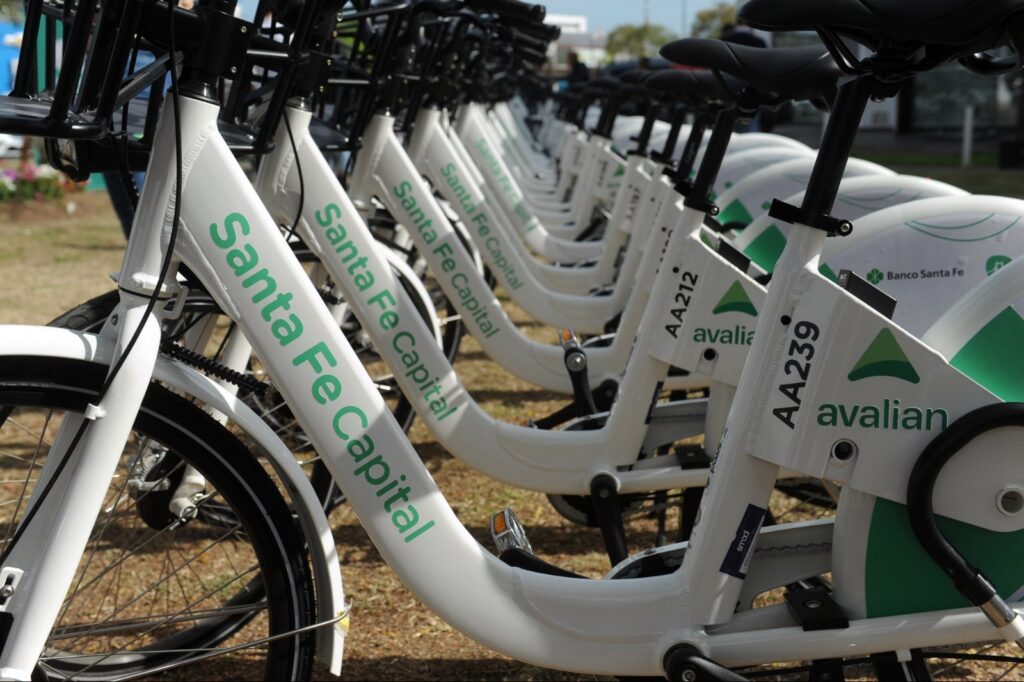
{"type": "Point", "coordinates": [42, 564]}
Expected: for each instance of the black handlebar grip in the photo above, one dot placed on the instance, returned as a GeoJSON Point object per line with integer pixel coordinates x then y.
{"type": "Point", "coordinates": [511, 9]}
{"type": "Point", "coordinates": [530, 55]}
{"type": "Point", "coordinates": [543, 33]}
{"type": "Point", "coordinates": [522, 39]}
{"type": "Point", "coordinates": [548, 32]}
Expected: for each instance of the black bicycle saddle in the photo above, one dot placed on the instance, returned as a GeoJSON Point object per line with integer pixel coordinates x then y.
{"type": "Point", "coordinates": [700, 89]}
{"type": "Point", "coordinates": [973, 25]}
{"type": "Point", "coordinates": [785, 72]}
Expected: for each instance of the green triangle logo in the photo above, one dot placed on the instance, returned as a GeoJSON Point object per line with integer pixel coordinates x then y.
{"type": "Point", "coordinates": [735, 300]}
{"type": "Point", "coordinates": [884, 358]}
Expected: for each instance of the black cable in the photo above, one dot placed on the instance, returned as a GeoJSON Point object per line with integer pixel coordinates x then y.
{"type": "Point", "coordinates": [165, 267]}
{"type": "Point", "coordinates": [298, 169]}
{"type": "Point", "coordinates": [150, 306]}
{"type": "Point", "coordinates": [124, 169]}
{"type": "Point", "coordinates": [224, 342]}
{"type": "Point", "coordinates": [189, 326]}
{"type": "Point", "coordinates": [963, 656]}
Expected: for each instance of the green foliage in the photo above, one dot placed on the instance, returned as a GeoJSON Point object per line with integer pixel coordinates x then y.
{"type": "Point", "coordinates": [637, 41]}
{"type": "Point", "coordinates": [708, 23]}
{"type": "Point", "coordinates": [12, 10]}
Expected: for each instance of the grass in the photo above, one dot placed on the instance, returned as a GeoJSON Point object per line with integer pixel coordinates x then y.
{"type": "Point", "coordinates": [1007, 183]}
{"type": "Point", "coordinates": [900, 158]}
{"type": "Point", "coordinates": [38, 243]}
{"type": "Point", "coordinates": [50, 261]}
{"type": "Point", "coordinates": [982, 177]}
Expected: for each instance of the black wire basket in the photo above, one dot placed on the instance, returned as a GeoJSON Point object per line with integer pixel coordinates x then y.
{"type": "Point", "coordinates": [253, 69]}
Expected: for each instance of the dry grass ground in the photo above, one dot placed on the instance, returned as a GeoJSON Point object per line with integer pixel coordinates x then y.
{"type": "Point", "coordinates": [50, 260]}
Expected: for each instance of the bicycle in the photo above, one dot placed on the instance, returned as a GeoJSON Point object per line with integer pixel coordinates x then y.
{"type": "Point", "coordinates": [661, 625]}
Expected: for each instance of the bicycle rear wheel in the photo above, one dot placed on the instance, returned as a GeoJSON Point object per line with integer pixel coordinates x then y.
{"type": "Point", "coordinates": [157, 590]}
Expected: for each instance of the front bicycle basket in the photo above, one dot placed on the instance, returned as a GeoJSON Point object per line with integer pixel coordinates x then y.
{"type": "Point", "coordinates": [251, 68]}
{"type": "Point", "coordinates": [71, 57]}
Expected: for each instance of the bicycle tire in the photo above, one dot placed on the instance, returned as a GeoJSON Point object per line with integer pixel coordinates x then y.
{"type": "Point", "coordinates": [281, 573]}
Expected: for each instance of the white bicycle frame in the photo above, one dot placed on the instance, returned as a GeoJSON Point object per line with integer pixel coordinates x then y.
{"type": "Point", "coordinates": [549, 461]}
{"type": "Point", "coordinates": [432, 152]}
{"type": "Point", "coordinates": [235, 247]}
{"type": "Point", "coordinates": [694, 238]}
{"type": "Point", "coordinates": [594, 160]}
{"type": "Point", "coordinates": [638, 187]}
{"type": "Point", "coordinates": [383, 155]}
{"type": "Point", "coordinates": [532, 233]}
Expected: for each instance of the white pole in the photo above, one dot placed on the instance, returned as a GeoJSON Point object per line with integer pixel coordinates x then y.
{"type": "Point", "coordinates": [967, 150]}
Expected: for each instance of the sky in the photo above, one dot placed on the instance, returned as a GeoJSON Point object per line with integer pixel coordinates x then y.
{"type": "Point", "coordinates": [604, 15]}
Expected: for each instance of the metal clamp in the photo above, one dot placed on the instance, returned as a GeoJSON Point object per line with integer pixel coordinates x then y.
{"type": "Point", "coordinates": [788, 213]}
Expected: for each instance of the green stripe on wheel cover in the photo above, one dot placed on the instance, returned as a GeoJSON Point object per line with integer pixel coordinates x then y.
{"type": "Point", "coordinates": [901, 578]}
{"type": "Point", "coordinates": [735, 212]}
{"type": "Point", "coordinates": [766, 248]}
{"type": "Point", "coordinates": [825, 270]}
{"type": "Point", "coordinates": [992, 357]}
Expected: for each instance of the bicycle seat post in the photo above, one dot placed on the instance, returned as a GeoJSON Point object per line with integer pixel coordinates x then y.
{"type": "Point", "coordinates": [830, 165]}
{"type": "Point", "coordinates": [712, 162]}
{"type": "Point", "coordinates": [681, 172]}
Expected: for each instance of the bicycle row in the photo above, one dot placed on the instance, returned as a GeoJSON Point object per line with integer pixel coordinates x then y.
{"type": "Point", "coordinates": [172, 447]}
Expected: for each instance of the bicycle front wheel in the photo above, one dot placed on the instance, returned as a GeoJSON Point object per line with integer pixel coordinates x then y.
{"type": "Point", "coordinates": [157, 589]}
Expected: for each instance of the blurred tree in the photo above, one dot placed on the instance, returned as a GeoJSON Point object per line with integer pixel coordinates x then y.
{"type": "Point", "coordinates": [12, 10]}
{"type": "Point", "coordinates": [637, 41]}
{"type": "Point", "coordinates": [709, 22]}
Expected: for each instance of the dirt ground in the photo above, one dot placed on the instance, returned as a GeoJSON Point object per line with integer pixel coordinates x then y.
{"type": "Point", "coordinates": [54, 255]}
{"type": "Point", "coordinates": [51, 259]}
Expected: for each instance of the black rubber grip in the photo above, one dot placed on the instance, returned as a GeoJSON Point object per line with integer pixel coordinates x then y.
{"type": "Point", "coordinates": [547, 32]}
{"type": "Point", "coordinates": [542, 33]}
{"type": "Point", "coordinates": [531, 55]}
{"type": "Point", "coordinates": [528, 40]}
{"type": "Point", "coordinates": [921, 487]}
{"type": "Point", "coordinates": [511, 9]}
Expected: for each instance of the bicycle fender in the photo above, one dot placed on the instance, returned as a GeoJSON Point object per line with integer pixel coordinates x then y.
{"type": "Point", "coordinates": [50, 341]}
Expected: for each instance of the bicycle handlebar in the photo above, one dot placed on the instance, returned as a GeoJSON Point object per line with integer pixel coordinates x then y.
{"type": "Point", "coordinates": [530, 55]}
{"type": "Point", "coordinates": [524, 39]}
{"type": "Point", "coordinates": [513, 10]}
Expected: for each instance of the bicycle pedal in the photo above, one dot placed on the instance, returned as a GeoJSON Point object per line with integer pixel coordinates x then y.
{"type": "Point", "coordinates": [508, 533]}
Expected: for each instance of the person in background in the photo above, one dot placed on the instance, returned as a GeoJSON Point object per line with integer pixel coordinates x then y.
{"type": "Point", "coordinates": [741, 34]}
{"type": "Point", "coordinates": [578, 71]}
